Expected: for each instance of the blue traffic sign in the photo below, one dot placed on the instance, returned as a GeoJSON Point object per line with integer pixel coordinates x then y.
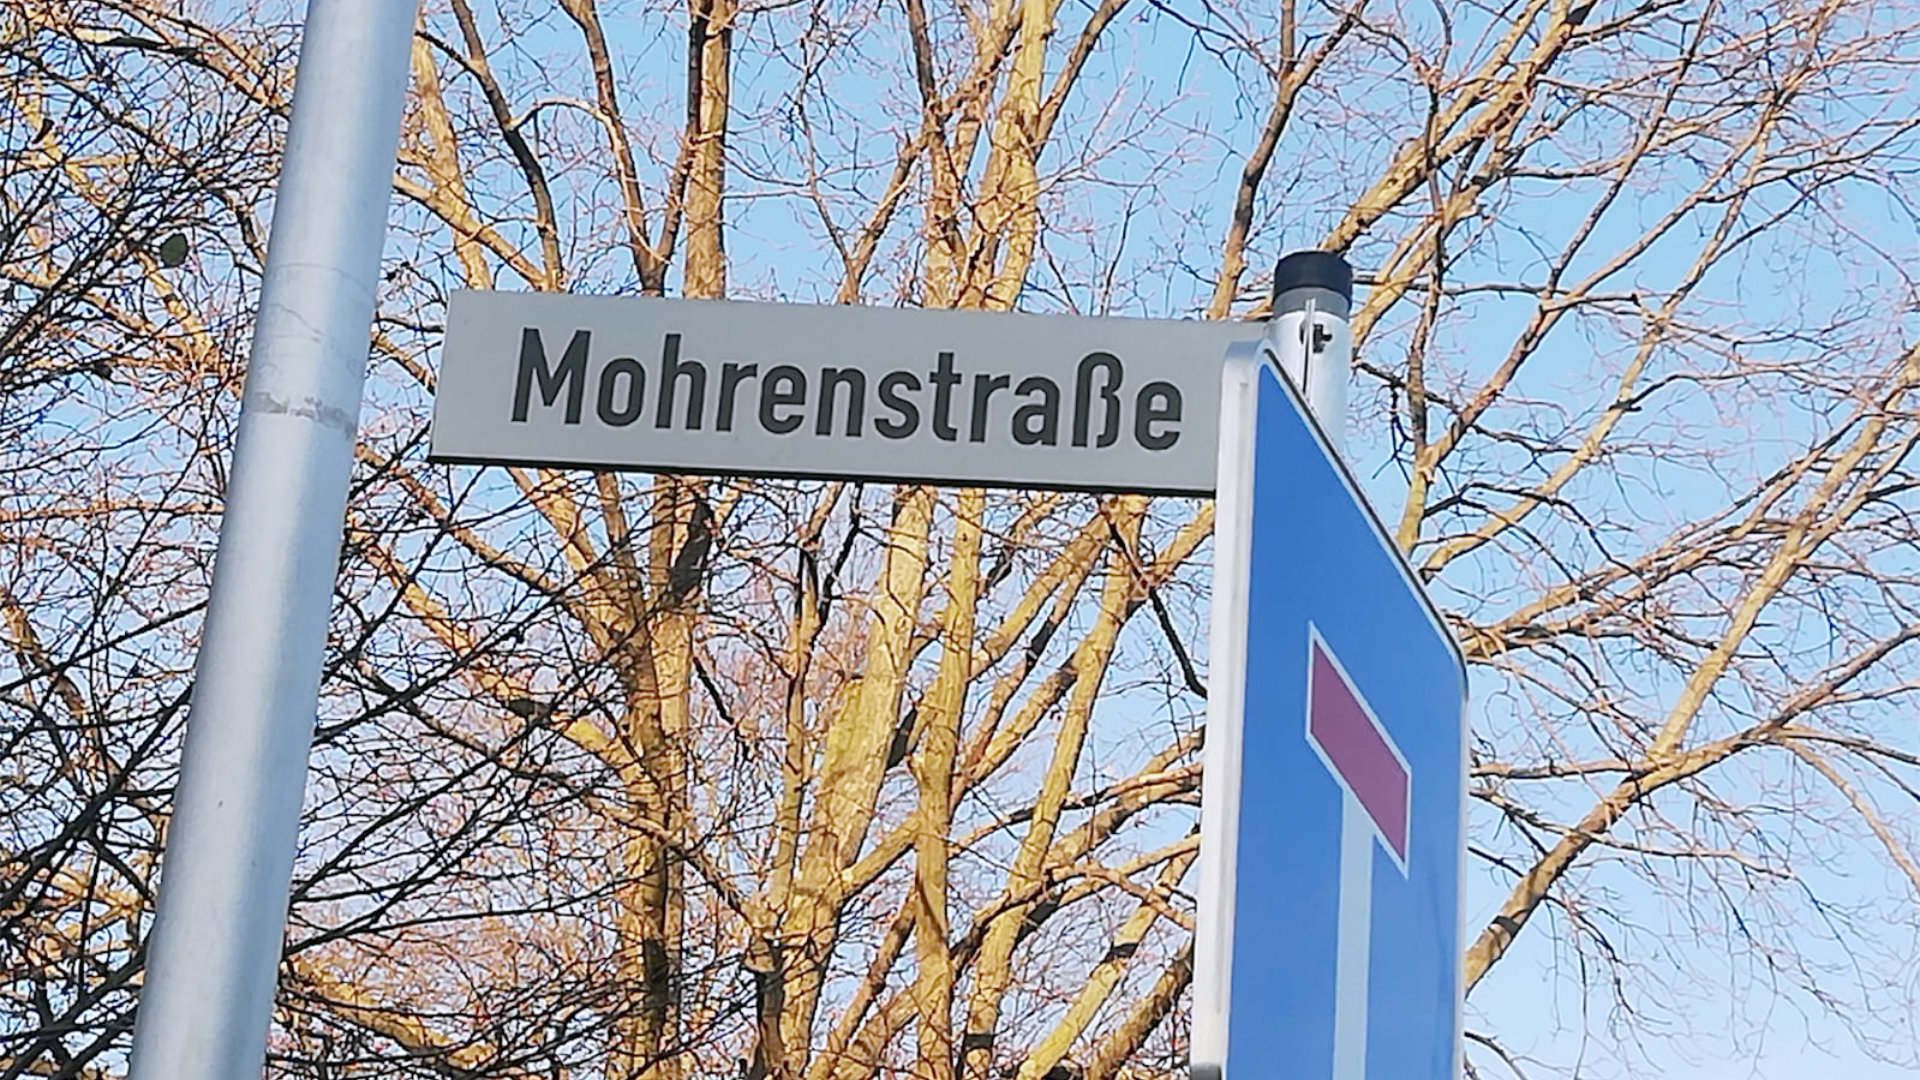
{"type": "Point", "coordinates": [1329, 934]}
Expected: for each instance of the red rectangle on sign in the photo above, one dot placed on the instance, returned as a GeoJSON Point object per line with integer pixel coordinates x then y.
{"type": "Point", "coordinates": [1351, 739]}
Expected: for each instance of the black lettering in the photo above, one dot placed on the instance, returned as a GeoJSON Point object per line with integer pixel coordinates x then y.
{"type": "Point", "coordinates": [983, 389]}
{"type": "Point", "coordinates": [909, 412]}
{"type": "Point", "coordinates": [944, 379]}
{"type": "Point", "coordinates": [855, 381]}
{"type": "Point", "coordinates": [783, 385]}
{"type": "Point", "coordinates": [1037, 421]}
{"type": "Point", "coordinates": [1158, 401]}
{"type": "Point", "coordinates": [671, 370]}
{"type": "Point", "coordinates": [611, 412]}
{"type": "Point", "coordinates": [1109, 398]}
{"type": "Point", "coordinates": [731, 375]}
{"type": "Point", "coordinates": [570, 376]}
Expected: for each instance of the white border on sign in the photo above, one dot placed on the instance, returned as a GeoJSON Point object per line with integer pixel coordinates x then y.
{"type": "Point", "coordinates": [1226, 693]}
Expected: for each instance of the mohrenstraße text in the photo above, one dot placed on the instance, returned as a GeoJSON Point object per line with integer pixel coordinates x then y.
{"type": "Point", "coordinates": [683, 392]}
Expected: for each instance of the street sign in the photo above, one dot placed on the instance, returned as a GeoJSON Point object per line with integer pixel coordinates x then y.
{"type": "Point", "coordinates": [888, 394]}
{"type": "Point", "coordinates": [1329, 926]}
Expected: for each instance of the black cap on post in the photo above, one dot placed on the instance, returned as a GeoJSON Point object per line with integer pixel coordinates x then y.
{"type": "Point", "coordinates": [1322, 276]}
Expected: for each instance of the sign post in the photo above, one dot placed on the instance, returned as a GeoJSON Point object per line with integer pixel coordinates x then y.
{"type": "Point", "coordinates": [214, 955]}
{"type": "Point", "coordinates": [1331, 822]}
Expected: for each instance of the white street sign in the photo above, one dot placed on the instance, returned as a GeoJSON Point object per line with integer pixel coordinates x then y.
{"type": "Point", "coordinates": [906, 394]}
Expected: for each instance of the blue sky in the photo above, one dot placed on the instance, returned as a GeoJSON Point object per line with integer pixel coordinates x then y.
{"type": "Point", "coordinates": [1156, 134]}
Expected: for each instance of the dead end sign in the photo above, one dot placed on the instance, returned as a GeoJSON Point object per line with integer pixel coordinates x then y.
{"type": "Point", "coordinates": [821, 391]}
{"type": "Point", "coordinates": [1329, 937]}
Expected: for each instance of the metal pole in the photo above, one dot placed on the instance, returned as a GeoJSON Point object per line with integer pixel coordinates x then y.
{"type": "Point", "coordinates": [1311, 339]}
{"type": "Point", "coordinates": [1309, 335]}
{"type": "Point", "coordinates": [214, 954]}
{"type": "Point", "coordinates": [1308, 340]}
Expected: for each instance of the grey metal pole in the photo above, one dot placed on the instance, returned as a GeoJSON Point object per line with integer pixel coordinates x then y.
{"type": "Point", "coordinates": [1309, 341]}
{"type": "Point", "coordinates": [1310, 336]}
{"type": "Point", "coordinates": [214, 954]}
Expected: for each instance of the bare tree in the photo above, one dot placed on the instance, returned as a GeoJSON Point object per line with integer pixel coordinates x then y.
{"type": "Point", "coordinates": [123, 267]}
{"type": "Point", "coordinates": [668, 777]}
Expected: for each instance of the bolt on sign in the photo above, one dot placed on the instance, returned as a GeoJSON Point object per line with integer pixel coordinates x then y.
{"type": "Point", "coordinates": [817, 391]}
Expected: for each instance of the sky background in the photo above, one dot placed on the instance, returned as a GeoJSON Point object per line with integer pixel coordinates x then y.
{"type": "Point", "coordinates": [1167, 119]}
{"type": "Point", "coordinates": [1158, 128]}
{"type": "Point", "coordinates": [1139, 186]}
